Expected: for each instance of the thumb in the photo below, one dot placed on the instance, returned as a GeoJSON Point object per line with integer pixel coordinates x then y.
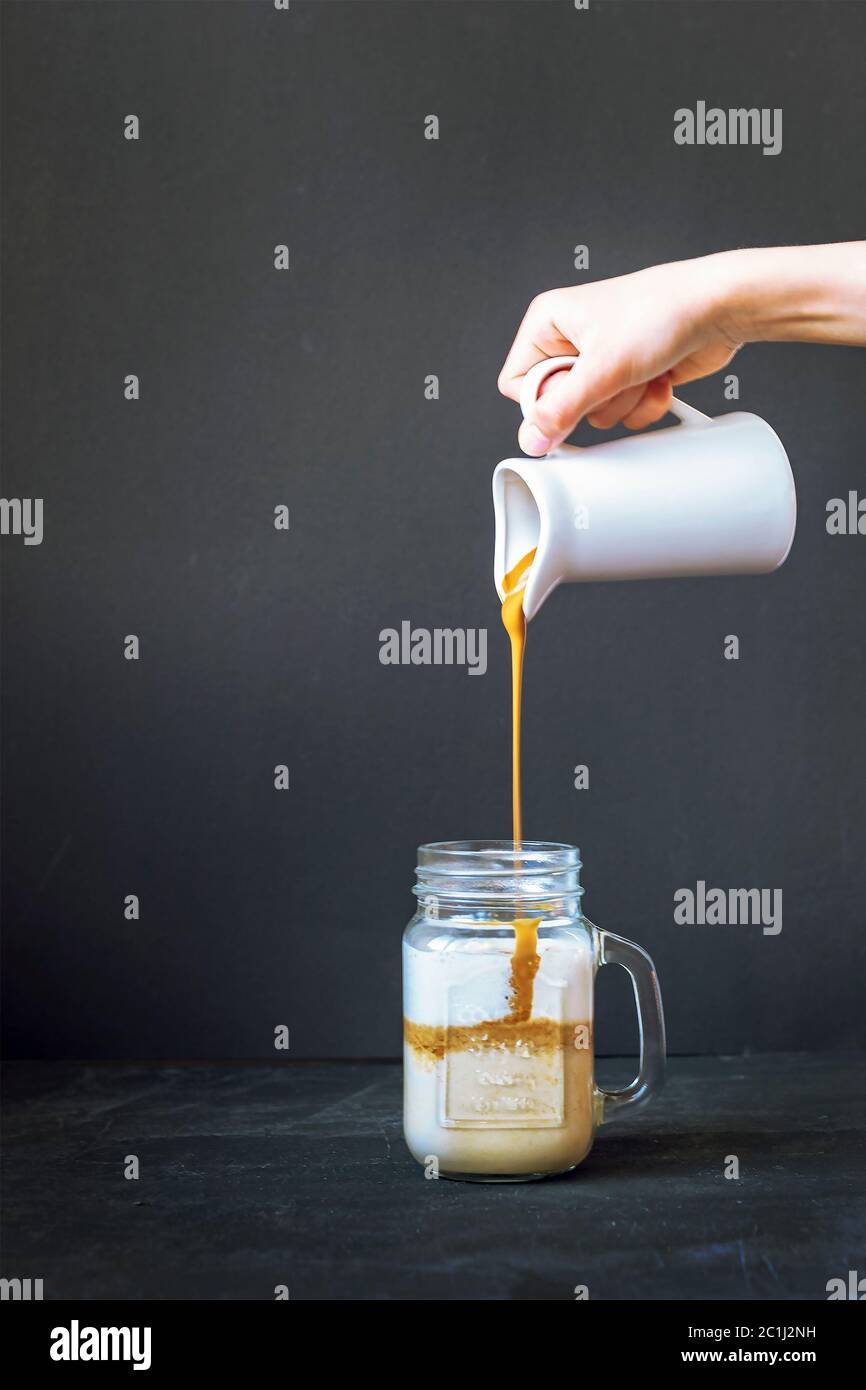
{"type": "Point", "coordinates": [565, 397]}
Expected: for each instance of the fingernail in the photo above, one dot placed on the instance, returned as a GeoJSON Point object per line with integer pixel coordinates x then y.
{"type": "Point", "coordinates": [532, 441]}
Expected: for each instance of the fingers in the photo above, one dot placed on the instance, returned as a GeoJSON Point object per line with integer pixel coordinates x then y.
{"type": "Point", "coordinates": [601, 385]}
{"type": "Point", "coordinates": [637, 407]}
{"type": "Point", "coordinates": [560, 408]}
{"type": "Point", "coordinates": [611, 412]}
{"type": "Point", "coordinates": [531, 440]}
{"type": "Point", "coordinates": [570, 396]}
{"type": "Point", "coordinates": [654, 403]}
{"type": "Point", "coordinates": [536, 338]}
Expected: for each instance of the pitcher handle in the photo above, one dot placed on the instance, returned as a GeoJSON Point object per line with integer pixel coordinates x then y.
{"type": "Point", "coordinates": [615, 950]}
{"type": "Point", "coordinates": [687, 414]}
{"type": "Point", "coordinates": [533, 379]}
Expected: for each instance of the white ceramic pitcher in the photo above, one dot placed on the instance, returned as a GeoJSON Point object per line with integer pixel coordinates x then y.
{"type": "Point", "coordinates": [702, 497]}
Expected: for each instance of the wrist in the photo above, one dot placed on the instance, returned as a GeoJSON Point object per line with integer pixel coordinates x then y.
{"type": "Point", "coordinates": [790, 293]}
{"type": "Point", "coordinates": [738, 296]}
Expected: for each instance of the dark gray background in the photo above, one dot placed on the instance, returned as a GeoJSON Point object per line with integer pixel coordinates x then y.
{"type": "Point", "coordinates": [408, 257]}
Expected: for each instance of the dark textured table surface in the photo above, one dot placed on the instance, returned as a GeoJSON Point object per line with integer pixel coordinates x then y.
{"type": "Point", "coordinates": [253, 1176]}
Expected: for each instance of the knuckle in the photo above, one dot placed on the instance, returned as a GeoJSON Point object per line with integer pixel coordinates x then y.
{"type": "Point", "coordinates": [539, 306]}
{"type": "Point", "coordinates": [601, 419]}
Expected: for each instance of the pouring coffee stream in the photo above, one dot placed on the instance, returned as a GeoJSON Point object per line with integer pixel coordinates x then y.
{"type": "Point", "coordinates": [525, 959]}
{"type": "Point", "coordinates": [514, 622]}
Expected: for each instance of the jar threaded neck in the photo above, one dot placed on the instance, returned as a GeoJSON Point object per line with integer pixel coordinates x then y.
{"type": "Point", "coordinates": [498, 873]}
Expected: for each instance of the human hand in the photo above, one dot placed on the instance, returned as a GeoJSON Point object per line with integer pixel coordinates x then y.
{"type": "Point", "coordinates": [636, 337]}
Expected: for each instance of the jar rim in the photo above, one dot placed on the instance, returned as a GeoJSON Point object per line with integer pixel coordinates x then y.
{"type": "Point", "coordinates": [482, 858]}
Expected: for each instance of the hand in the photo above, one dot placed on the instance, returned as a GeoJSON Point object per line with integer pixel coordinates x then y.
{"type": "Point", "coordinates": [637, 336]}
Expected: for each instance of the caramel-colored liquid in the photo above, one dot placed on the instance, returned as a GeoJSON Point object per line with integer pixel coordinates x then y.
{"type": "Point", "coordinates": [525, 960]}
{"type": "Point", "coordinates": [515, 625]}
{"type": "Point", "coordinates": [495, 1035]}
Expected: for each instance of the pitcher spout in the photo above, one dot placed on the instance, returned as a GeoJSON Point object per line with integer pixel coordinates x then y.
{"type": "Point", "coordinates": [528, 516]}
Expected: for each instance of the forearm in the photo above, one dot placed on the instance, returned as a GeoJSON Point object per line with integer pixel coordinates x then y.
{"type": "Point", "coordinates": [811, 294]}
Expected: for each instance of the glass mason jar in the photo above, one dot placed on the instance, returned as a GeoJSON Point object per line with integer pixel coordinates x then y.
{"type": "Point", "coordinates": [499, 966]}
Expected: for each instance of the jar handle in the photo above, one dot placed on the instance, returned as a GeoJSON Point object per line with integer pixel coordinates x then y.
{"type": "Point", "coordinates": [538, 374]}
{"type": "Point", "coordinates": [615, 950]}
